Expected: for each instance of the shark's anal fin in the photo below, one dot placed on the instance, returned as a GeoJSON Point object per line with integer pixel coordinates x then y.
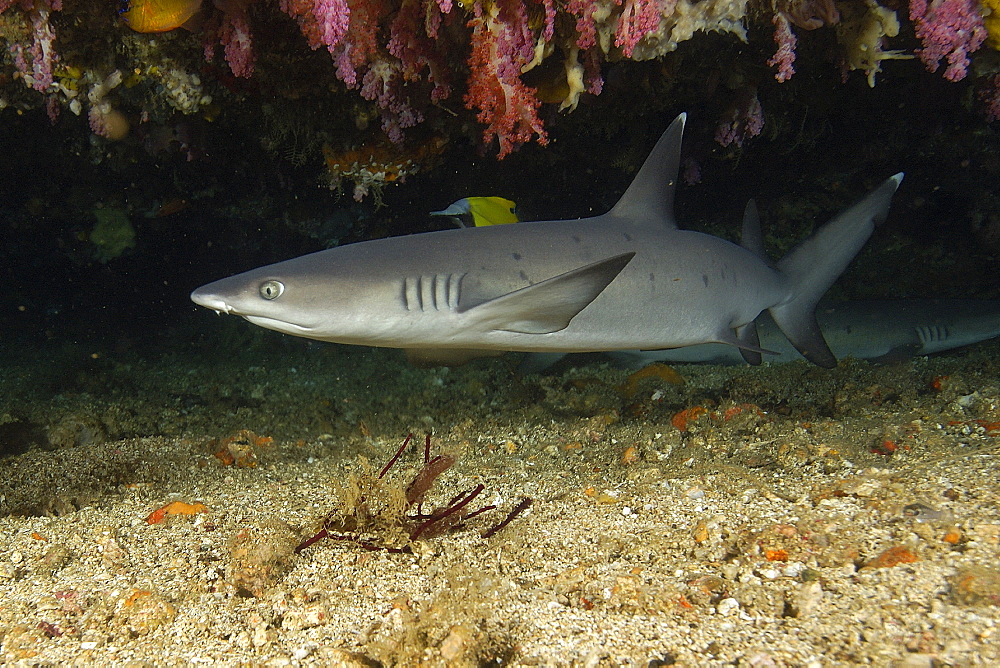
{"type": "Point", "coordinates": [548, 306]}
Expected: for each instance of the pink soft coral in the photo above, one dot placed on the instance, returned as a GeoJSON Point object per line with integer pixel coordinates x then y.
{"type": "Point", "coordinates": [949, 29]}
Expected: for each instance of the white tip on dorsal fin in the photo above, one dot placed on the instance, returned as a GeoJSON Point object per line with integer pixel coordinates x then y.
{"type": "Point", "coordinates": [650, 197]}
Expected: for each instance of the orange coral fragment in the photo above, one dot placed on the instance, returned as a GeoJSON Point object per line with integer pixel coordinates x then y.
{"type": "Point", "coordinates": [776, 555]}
{"type": "Point", "coordinates": [175, 508]}
{"type": "Point", "coordinates": [135, 596]}
{"type": "Point", "coordinates": [886, 448]}
{"type": "Point", "coordinates": [894, 556]}
{"type": "Point", "coordinates": [657, 370]}
{"type": "Point", "coordinates": [952, 536]}
{"type": "Point", "coordinates": [682, 418]}
{"type": "Point", "coordinates": [939, 382]}
{"type": "Point", "coordinates": [733, 411]}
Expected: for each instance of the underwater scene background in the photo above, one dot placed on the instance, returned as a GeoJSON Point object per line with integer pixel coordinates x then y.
{"type": "Point", "coordinates": [162, 469]}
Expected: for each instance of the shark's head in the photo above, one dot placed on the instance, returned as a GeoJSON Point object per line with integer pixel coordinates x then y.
{"type": "Point", "coordinates": [261, 298]}
{"type": "Point", "coordinates": [300, 297]}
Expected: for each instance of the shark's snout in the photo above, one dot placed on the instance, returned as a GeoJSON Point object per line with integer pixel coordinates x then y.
{"type": "Point", "coordinates": [202, 297]}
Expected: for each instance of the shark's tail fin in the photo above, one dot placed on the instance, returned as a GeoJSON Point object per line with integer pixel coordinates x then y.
{"type": "Point", "coordinates": [813, 266]}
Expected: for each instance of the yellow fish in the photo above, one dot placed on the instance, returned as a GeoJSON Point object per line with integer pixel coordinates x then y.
{"type": "Point", "coordinates": [159, 15]}
{"type": "Point", "coordinates": [480, 212]}
{"type": "Point", "coordinates": [992, 23]}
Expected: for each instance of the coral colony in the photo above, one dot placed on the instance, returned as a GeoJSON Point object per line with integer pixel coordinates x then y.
{"type": "Point", "coordinates": [407, 57]}
{"type": "Point", "coordinates": [358, 518]}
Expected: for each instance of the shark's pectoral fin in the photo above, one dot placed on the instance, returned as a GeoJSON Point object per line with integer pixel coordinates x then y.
{"type": "Point", "coordinates": [426, 358]}
{"type": "Point", "coordinates": [548, 306]}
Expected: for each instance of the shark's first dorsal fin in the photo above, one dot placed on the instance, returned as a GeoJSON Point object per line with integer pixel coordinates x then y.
{"type": "Point", "coordinates": [548, 306]}
{"type": "Point", "coordinates": [650, 197]}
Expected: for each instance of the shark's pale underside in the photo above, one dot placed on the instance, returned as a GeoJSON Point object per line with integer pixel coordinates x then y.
{"type": "Point", "coordinates": [625, 280]}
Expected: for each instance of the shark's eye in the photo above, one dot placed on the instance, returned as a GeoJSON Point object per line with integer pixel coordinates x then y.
{"type": "Point", "coordinates": [271, 289]}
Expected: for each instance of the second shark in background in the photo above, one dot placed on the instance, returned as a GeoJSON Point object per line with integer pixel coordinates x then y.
{"type": "Point", "coordinates": [877, 330]}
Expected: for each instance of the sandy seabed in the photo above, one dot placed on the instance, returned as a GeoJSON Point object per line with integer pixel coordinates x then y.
{"type": "Point", "coordinates": [778, 516]}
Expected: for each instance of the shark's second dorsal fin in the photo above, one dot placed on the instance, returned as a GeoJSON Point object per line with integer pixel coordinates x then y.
{"type": "Point", "coordinates": [753, 238]}
{"type": "Point", "coordinates": [548, 306]}
{"type": "Point", "coordinates": [650, 197]}
{"type": "Point", "coordinates": [753, 241]}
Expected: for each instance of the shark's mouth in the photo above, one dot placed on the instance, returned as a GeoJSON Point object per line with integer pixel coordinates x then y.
{"type": "Point", "coordinates": [221, 306]}
{"type": "Point", "coordinates": [277, 325]}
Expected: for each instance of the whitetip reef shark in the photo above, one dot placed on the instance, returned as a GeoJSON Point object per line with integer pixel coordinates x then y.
{"type": "Point", "coordinates": [879, 330]}
{"type": "Point", "coordinates": [625, 280]}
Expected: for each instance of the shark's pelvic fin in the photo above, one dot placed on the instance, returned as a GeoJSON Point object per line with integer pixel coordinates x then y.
{"type": "Point", "coordinates": [650, 198]}
{"type": "Point", "coordinates": [745, 338]}
{"type": "Point", "coordinates": [538, 362]}
{"type": "Point", "coordinates": [813, 266]}
{"type": "Point", "coordinates": [548, 306]}
{"type": "Point", "coordinates": [750, 343]}
{"type": "Point", "coordinates": [426, 358]}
